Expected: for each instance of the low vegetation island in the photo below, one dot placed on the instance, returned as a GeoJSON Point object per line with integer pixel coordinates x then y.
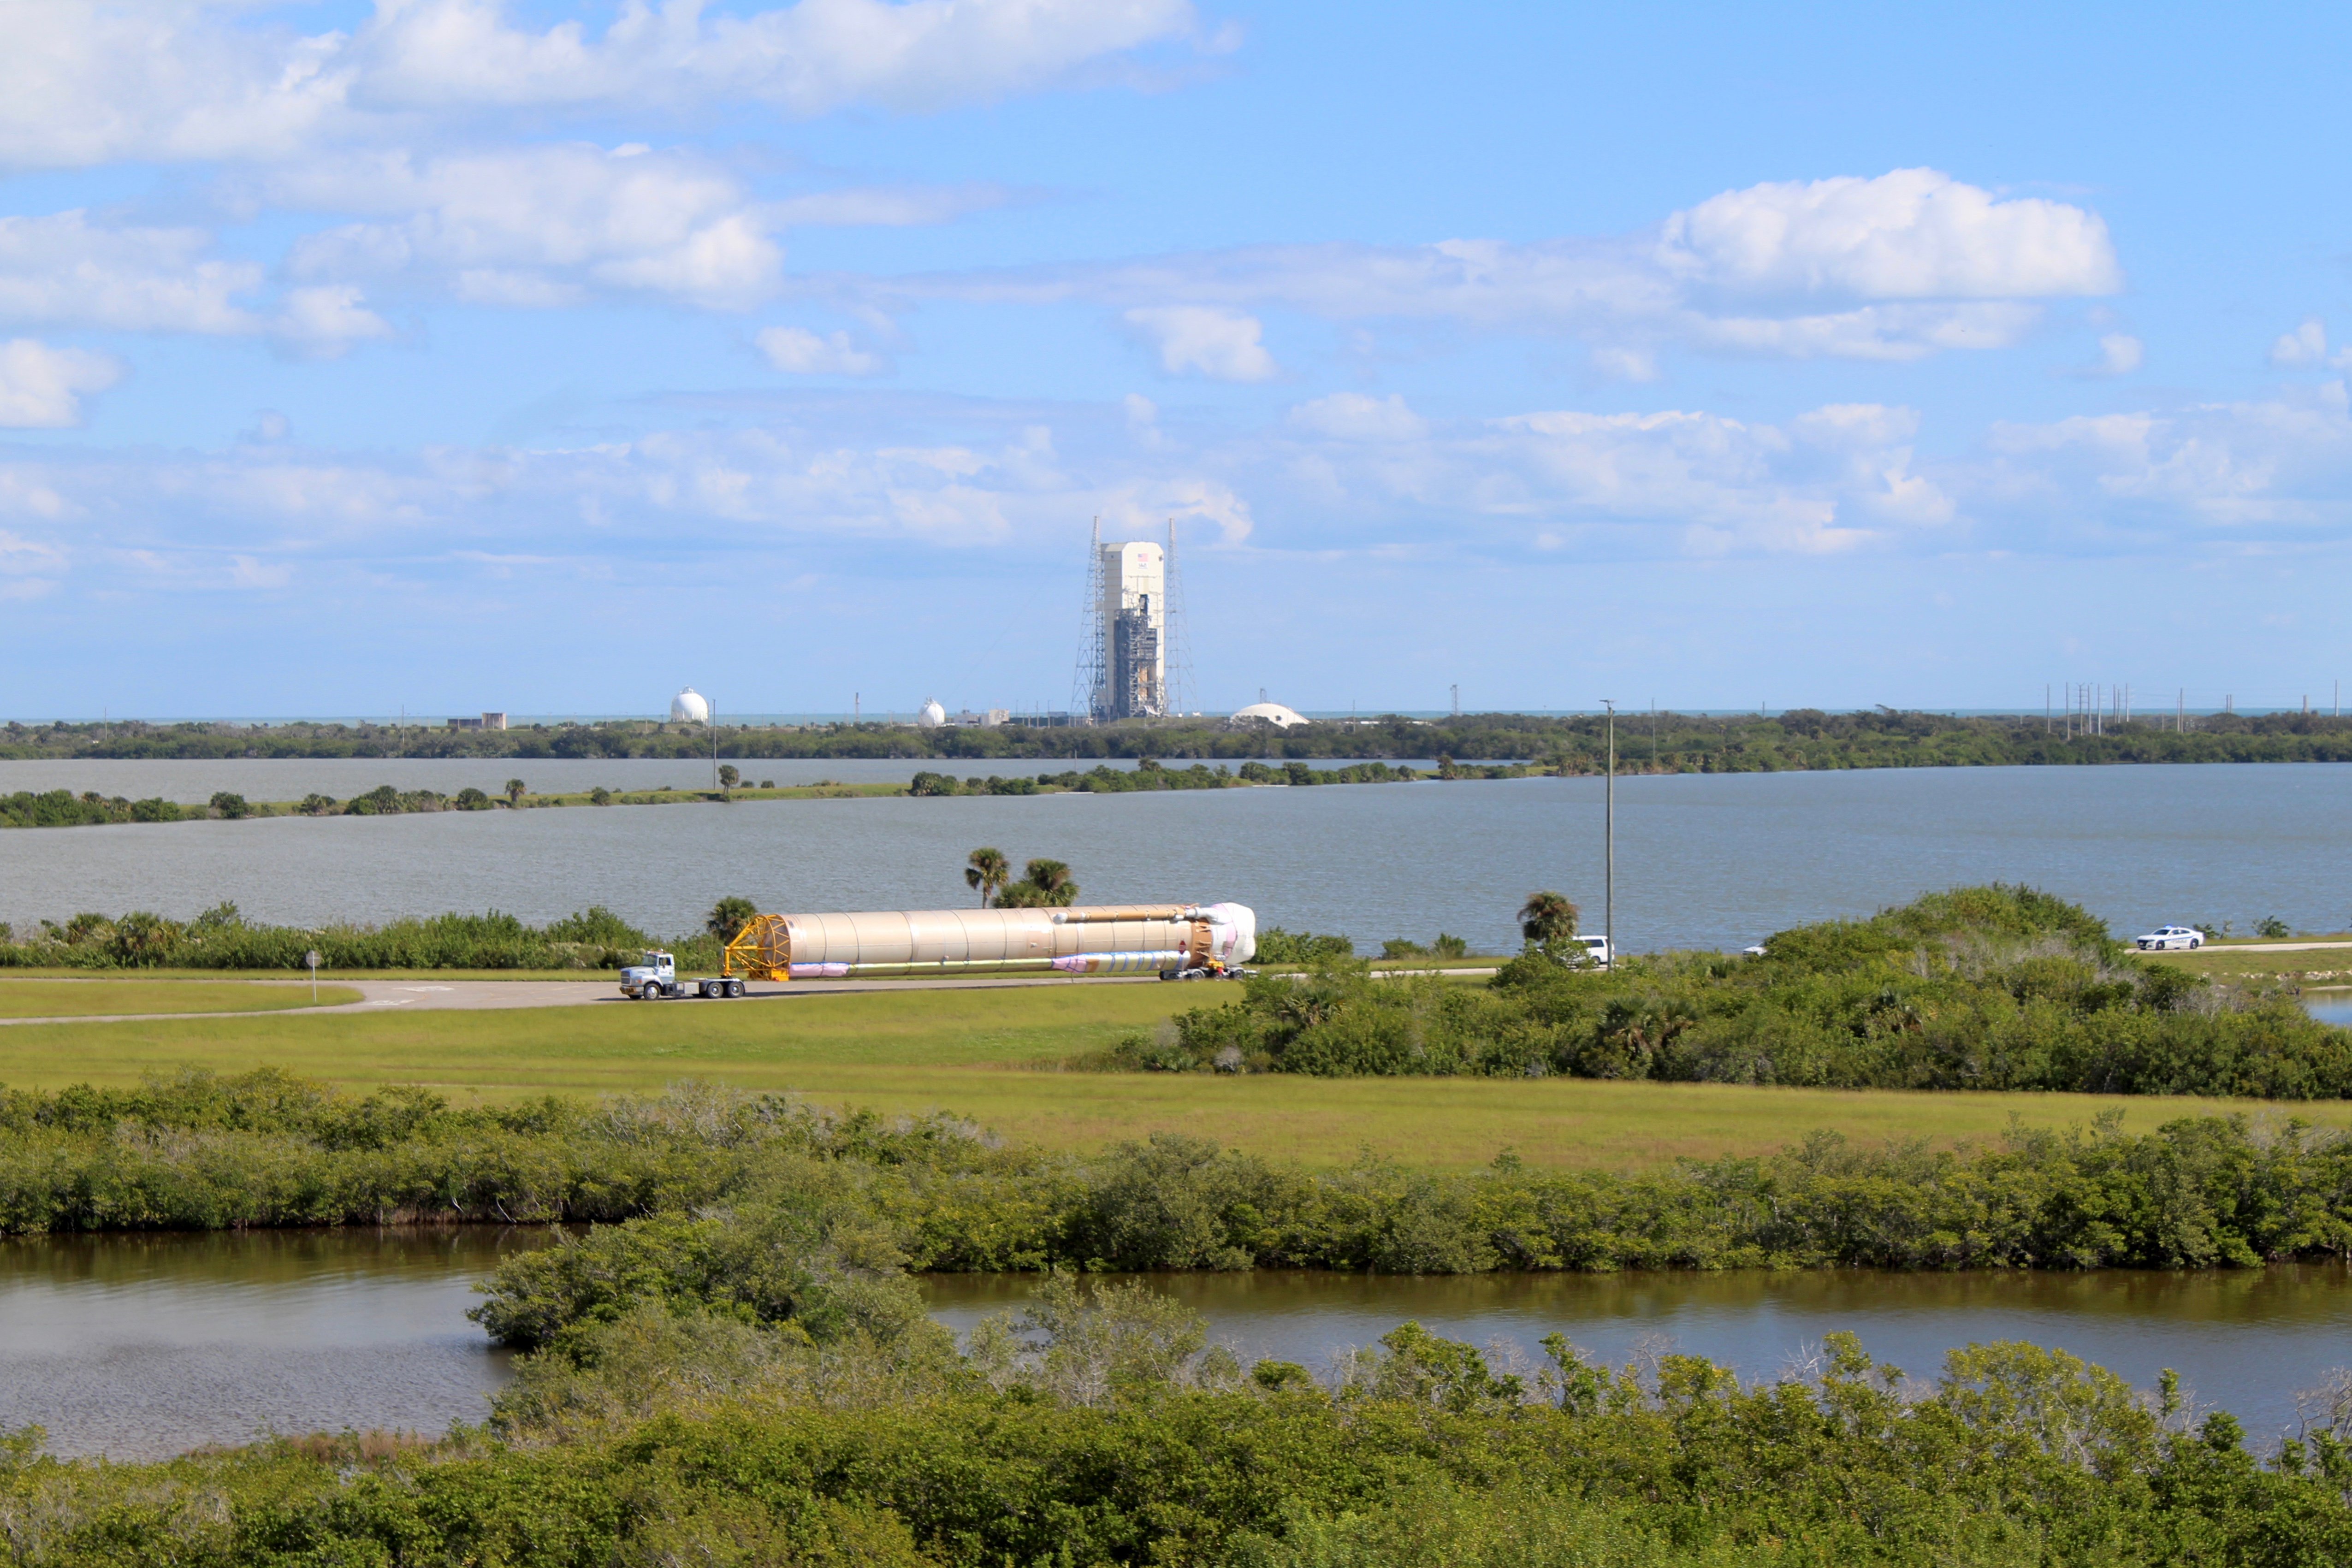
{"type": "Point", "coordinates": [1795, 738]}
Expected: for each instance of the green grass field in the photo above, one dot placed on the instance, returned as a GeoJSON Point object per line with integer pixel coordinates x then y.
{"type": "Point", "coordinates": [994, 1056]}
{"type": "Point", "coordinates": [2311, 965]}
{"type": "Point", "coordinates": [82, 999]}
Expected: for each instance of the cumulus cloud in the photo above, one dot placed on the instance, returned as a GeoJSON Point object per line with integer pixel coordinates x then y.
{"type": "Point", "coordinates": [1914, 233]}
{"type": "Point", "coordinates": [798, 351]}
{"type": "Point", "coordinates": [323, 322]}
{"type": "Point", "coordinates": [541, 225]}
{"type": "Point", "coordinates": [41, 388]}
{"type": "Point", "coordinates": [84, 84]}
{"type": "Point", "coordinates": [1896, 267]}
{"type": "Point", "coordinates": [2307, 345]}
{"type": "Point", "coordinates": [1197, 340]}
{"type": "Point", "coordinates": [2269, 469]}
{"type": "Point", "coordinates": [62, 267]}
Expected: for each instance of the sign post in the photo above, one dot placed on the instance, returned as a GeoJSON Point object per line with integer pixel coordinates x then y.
{"type": "Point", "coordinates": [311, 962]}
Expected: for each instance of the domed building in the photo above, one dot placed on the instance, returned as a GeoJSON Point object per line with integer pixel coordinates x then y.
{"type": "Point", "coordinates": [931, 714]}
{"type": "Point", "coordinates": [1274, 714]}
{"type": "Point", "coordinates": [689, 706]}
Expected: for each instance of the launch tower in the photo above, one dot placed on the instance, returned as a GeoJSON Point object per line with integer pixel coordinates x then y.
{"type": "Point", "coordinates": [1124, 664]}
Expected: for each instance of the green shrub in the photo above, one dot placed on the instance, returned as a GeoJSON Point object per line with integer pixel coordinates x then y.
{"type": "Point", "coordinates": [1994, 987]}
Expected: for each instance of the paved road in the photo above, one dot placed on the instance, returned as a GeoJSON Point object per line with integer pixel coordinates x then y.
{"type": "Point", "coordinates": [477, 996]}
{"type": "Point", "coordinates": [482, 996]}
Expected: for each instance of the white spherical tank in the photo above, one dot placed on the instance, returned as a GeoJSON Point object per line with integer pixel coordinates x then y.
{"type": "Point", "coordinates": [689, 706]}
{"type": "Point", "coordinates": [932, 714]}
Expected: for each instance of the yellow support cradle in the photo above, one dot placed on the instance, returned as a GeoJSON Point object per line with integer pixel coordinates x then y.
{"type": "Point", "coordinates": [762, 950]}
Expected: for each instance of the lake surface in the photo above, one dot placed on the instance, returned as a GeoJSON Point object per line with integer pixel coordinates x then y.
{"type": "Point", "coordinates": [143, 1346]}
{"type": "Point", "coordinates": [1703, 860]}
{"type": "Point", "coordinates": [2248, 1341]}
{"type": "Point", "coordinates": [149, 1344]}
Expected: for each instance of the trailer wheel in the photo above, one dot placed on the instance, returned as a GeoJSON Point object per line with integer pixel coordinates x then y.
{"type": "Point", "coordinates": [734, 988]}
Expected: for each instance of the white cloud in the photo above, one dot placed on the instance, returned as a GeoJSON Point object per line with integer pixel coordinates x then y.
{"type": "Point", "coordinates": [1896, 267]}
{"type": "Point", "coordinates": [2273, 469]}
{"type": "Point", "coordinates": [1914, 233]}
{"type": "Point", "coordinates": [1892, 333]}
{"type": "Point", "coordinates": [2307, 345]}
{"type": "Point", "coordinates": [61, 267]}
{"type": "Point", "coordinates": [324, 321]}
{"type": "Point", "coordinates": [539, 224]}
{"type": "Point", "coordinates": [804, 60]}
{"type": "Point", "coordinates": [798, 351]}
{"type": "Point", "coordinates": [903, 206]}
{"type": "Point", "coordinates": [86, 83]}
{"type": "Point", "coordinates": [1353, 416]}
{"type": "Point", "coordinates": [41, 388]}
{"type": "Point", "coordinates": [2120, 354]}
{"type": "Point", "coordinates": [1222, 345]}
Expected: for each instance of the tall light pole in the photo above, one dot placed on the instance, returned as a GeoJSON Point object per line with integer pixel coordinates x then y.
{"type": "Point", "coordinates": [1609, 842]}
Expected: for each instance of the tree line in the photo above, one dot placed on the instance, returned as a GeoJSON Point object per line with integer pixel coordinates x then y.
{"type": "Point", "coordinates": [694, 1175]}
{"type": "Point", "coordinates": [1986, 987]}
{"type": "Point", "coordinates": [1797, 738]}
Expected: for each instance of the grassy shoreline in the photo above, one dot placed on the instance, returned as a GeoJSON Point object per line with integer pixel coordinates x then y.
{"type": "Point", "coordinates": [1000, 1058]}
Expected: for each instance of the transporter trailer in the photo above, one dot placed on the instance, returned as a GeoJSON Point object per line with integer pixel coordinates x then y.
{"type": "Point", "coordinates": [1173, 941]}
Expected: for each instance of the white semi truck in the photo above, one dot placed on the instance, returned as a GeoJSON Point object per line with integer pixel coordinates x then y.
{"type": "Point", "coordinates": [1174, 941]}
{"type": "Point", "coordinates": [657, 977]}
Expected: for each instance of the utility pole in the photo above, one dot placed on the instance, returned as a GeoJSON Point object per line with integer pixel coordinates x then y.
{"type": "Point", "coordinates": [1609, 842]}
{"type": "Point", "coordinates": [2046, 707]}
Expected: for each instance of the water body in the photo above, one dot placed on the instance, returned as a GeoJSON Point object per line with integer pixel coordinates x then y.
{"type": "Point", "coordinates": [2247, 1342]}
{"type": "Point", "coordinates": [139, 1346]}
{"type": "Point", "coordinates": [1703, 860]}
{"type": "Point", "coordinates": [143, 1346]}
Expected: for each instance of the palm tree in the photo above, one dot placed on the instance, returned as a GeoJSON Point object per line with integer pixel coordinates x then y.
{"type": "Point", "coordinates": [1547, 918]}
{"type": "Point", "coordinates": [516, 791]}
{"type": "Point", "coordinates": [988, 870]}
{"type": "Point", "coordinates": [728, 916]}
{"type": "Point", "coordinates": [1052, 878]}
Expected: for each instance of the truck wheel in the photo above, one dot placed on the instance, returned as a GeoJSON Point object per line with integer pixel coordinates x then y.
{"type": "Point", "coordinates": [734, 988]}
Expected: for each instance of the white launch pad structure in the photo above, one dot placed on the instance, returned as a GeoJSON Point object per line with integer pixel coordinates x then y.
{"type": "Point", "coordinates": [1130, 663]}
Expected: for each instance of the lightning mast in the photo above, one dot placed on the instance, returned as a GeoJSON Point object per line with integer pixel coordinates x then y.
{"type": "Point", "coordinates": [1089, 695]}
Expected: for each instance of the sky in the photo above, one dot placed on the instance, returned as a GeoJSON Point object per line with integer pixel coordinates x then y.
{"type": "Point", "coordinates": [444, 355]}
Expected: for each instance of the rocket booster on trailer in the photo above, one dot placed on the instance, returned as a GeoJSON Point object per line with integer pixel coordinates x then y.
{"type": "Point", "coordinates": [1112, 939]}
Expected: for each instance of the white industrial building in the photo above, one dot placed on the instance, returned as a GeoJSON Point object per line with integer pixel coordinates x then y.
{"type": "Point", "coordinates": [1125, 669]}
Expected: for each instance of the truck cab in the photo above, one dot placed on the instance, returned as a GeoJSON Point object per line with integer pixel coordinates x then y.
{"type": "Point", "coordinates": [657, 977]}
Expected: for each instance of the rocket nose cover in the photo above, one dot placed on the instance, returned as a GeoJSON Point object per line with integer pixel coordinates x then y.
{"type": "Point", "coordinates": [1232, 931]}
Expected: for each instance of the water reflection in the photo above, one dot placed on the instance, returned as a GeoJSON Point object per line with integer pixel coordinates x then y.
{"type": "Point", "coordinates": [141, 1345]}
{"type": "Point", "coordinates": [2246, 1340]}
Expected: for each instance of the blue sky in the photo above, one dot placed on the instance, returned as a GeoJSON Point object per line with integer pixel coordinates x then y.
{"type": "Point", "coordinates": [449, 354]}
